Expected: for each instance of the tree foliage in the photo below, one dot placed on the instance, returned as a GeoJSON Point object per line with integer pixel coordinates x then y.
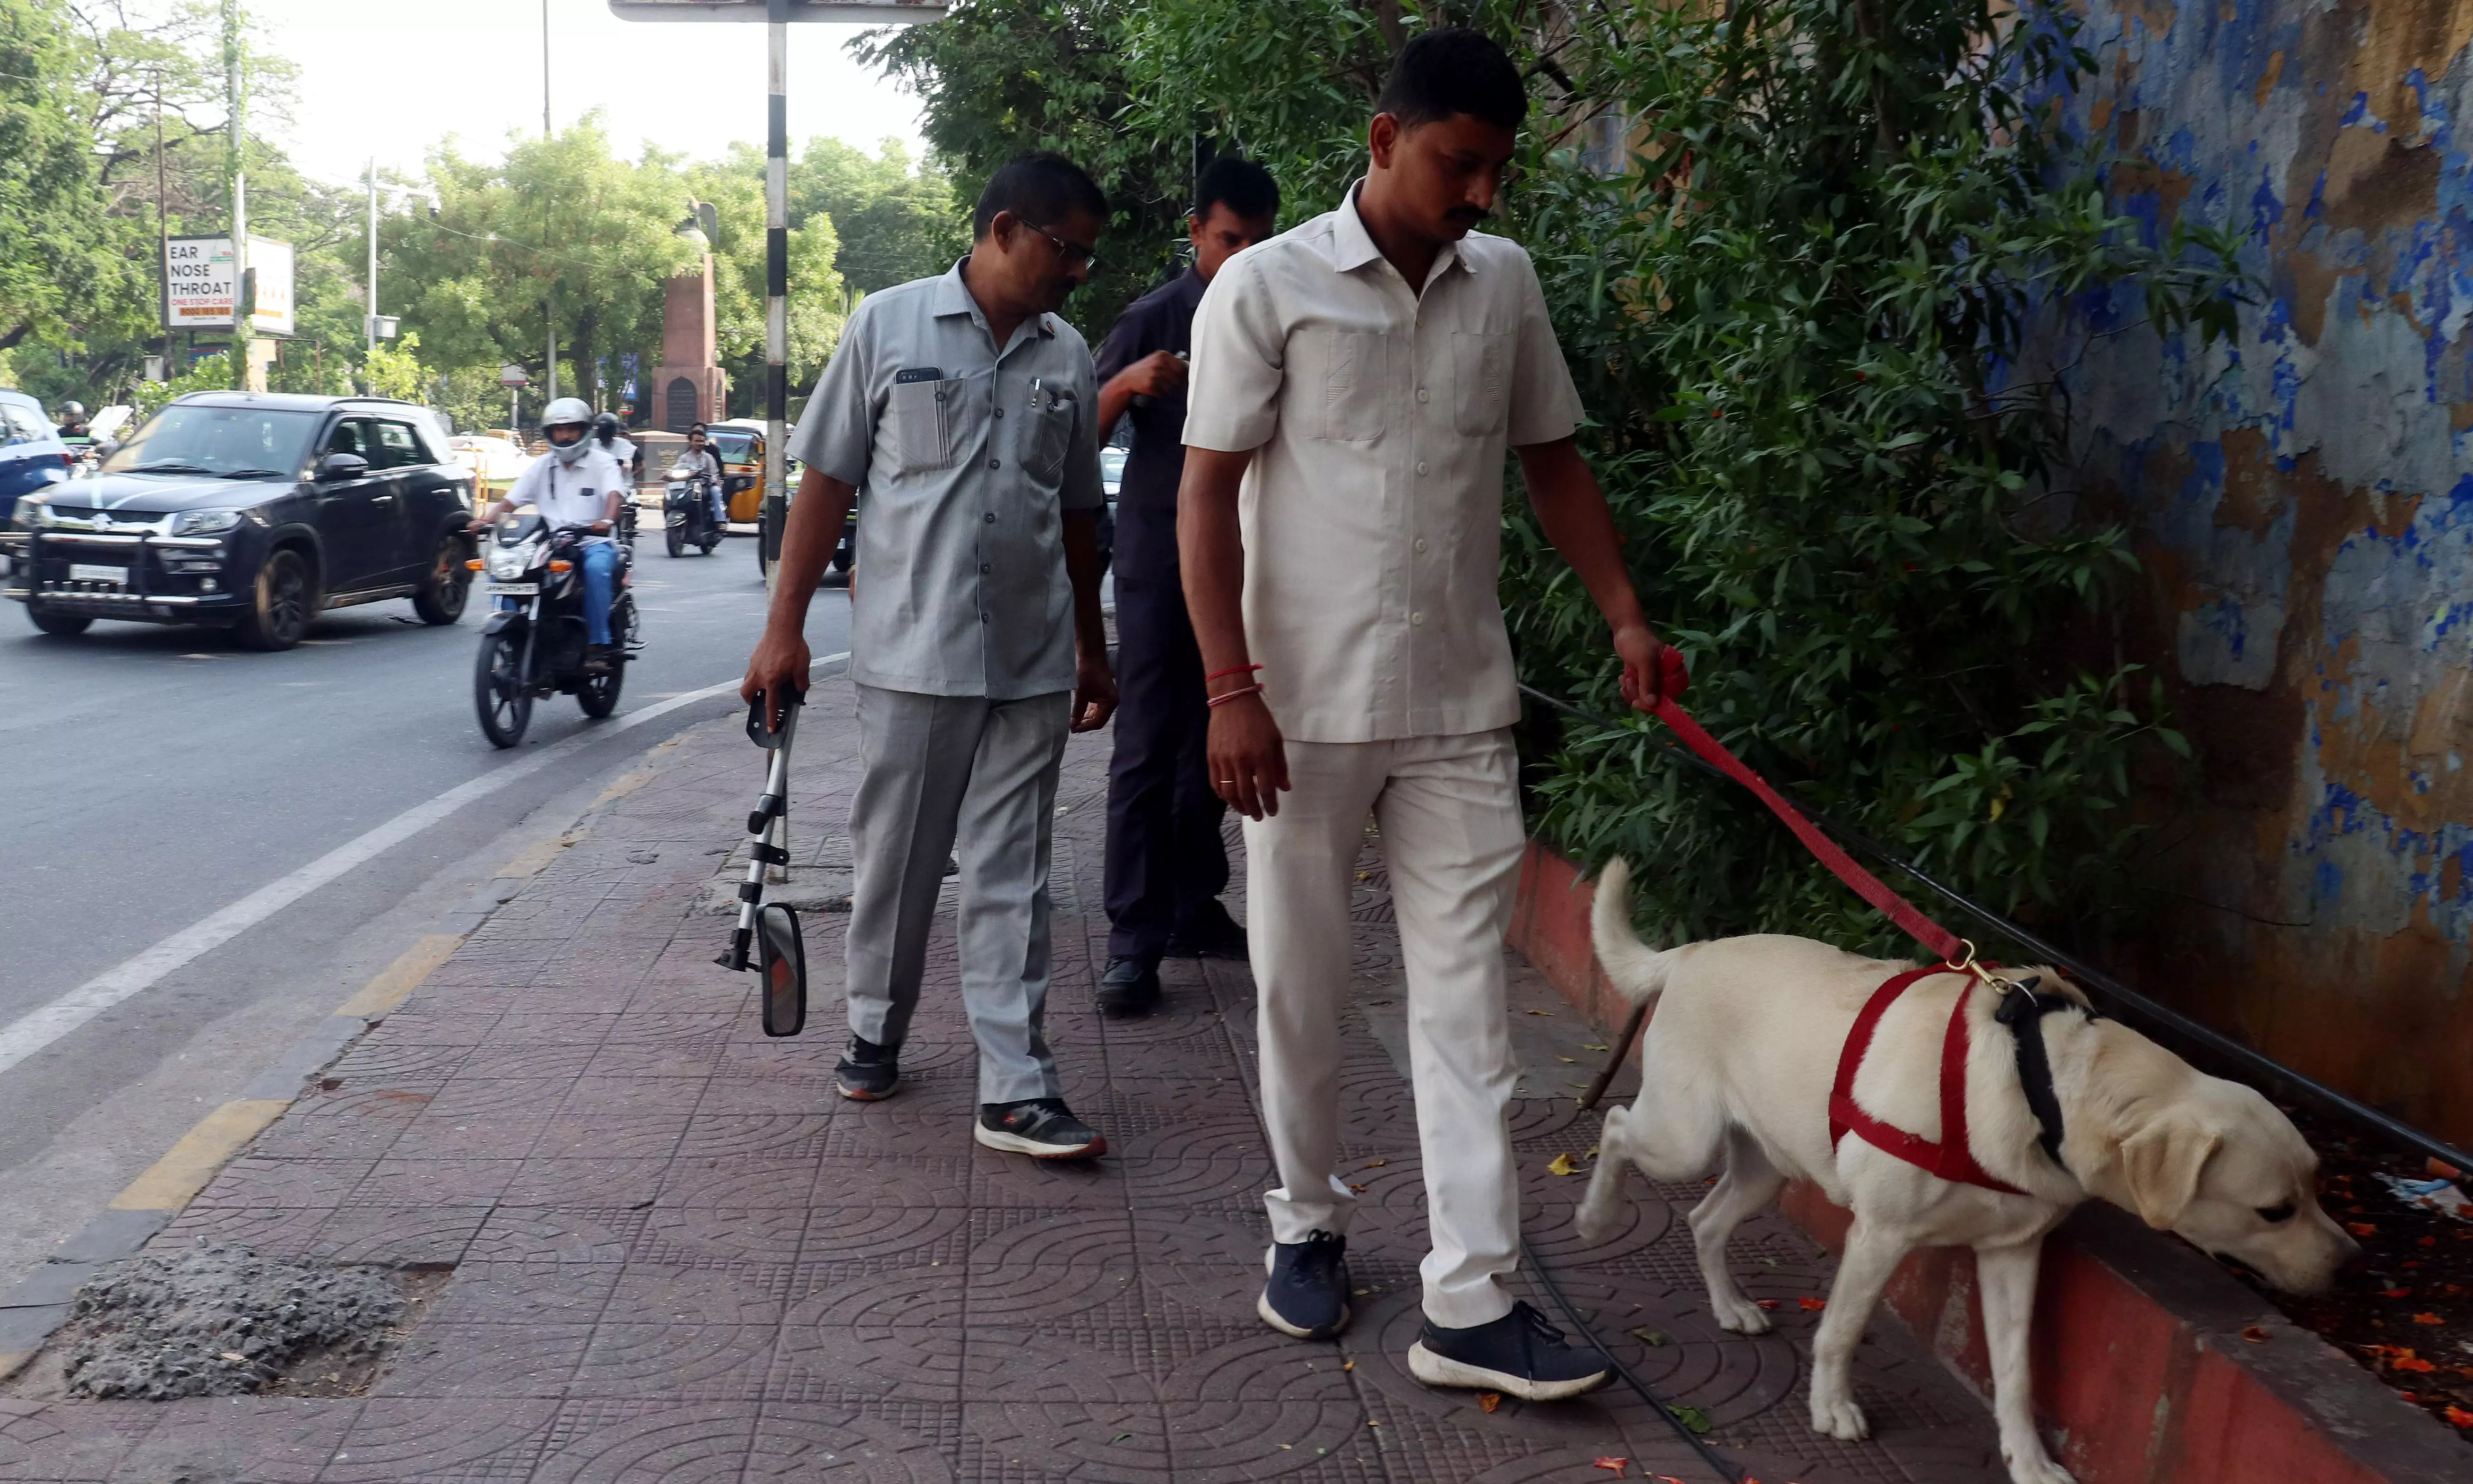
{"type": "Point", "coordinates": [1800, 253]}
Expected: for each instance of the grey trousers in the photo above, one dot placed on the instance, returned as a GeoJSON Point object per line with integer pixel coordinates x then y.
{"type": "Point", "coordinates": [930, 767]}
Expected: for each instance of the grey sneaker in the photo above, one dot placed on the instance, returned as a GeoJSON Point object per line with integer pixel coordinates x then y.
{"type": "Point", "coordinates": [1042, 1128]}
{"type": "Point", "coordinates": [1307, 1295]}
{"type": "Point", "coordinates": [868, 1071]}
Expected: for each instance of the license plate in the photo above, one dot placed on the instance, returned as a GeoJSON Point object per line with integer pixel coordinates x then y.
{"type": "Point", "coordinates": [515, 590]}
{"type": "Point", "coordinates": [93, 572]}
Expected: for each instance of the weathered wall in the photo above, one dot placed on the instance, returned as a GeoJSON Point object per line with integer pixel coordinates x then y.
{"type": "Point", "coordinates": [2304, 507]}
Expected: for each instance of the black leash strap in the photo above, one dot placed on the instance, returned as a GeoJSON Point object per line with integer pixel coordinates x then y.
{"type": "Point", "coordinates": [1656, 1404]}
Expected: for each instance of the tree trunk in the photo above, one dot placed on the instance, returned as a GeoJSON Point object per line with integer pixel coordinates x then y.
{"type": "Point", "coordinates": [8, 342]}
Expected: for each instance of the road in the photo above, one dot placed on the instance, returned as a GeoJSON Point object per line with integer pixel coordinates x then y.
{"type": "Point", "coordinates": [155, 776]}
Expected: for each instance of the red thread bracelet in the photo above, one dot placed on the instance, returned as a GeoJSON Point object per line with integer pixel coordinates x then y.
{"type": "Point", "coordinates": [1249, 690]}
{"type": "Point", "coordinates": [1220, 675]}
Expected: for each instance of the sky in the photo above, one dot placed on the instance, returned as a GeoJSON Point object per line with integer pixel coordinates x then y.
{"type": "Point", "coordinates": [390, 77]}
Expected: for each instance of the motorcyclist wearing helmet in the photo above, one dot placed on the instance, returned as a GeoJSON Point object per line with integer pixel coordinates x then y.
{"type": "Point", "coordinates": [576, 483]}
{"type": "Point", "coordinates": [73, 428]}
{"type": "Point", "coordinates": [700, 459]}
{"type": "Point", "coordinates": [612, 436]}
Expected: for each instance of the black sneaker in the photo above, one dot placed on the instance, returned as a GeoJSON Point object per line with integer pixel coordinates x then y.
{"type": "Point", "coordinates": [1129, 988]}
{"type": "Point", "coordinates": [1307, 1295]}
{"type": "Point", "coordinates": [1519, 1352]}
{"type": "Point", "coordinates": [1212, 933]}
{"type": "Point", "coordinates": [1042, 1128]}
{"type": "Point", "coordinates": [868, 1071]}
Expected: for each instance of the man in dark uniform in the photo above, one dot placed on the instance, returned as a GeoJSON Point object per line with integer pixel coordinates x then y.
{"type": "Point", "coordinates": [1166, 866]}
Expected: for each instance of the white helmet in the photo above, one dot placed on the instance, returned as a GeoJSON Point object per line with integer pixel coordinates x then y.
{"type": "Point", "coordinates": [567, 412]}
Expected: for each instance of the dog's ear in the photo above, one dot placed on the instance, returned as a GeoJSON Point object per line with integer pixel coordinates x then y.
{"type": "Point", "coordinates": [2161, 1165]}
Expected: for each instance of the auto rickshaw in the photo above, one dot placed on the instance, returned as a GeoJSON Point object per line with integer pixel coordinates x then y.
{"type": "Point", "coordinates": [738, 442]}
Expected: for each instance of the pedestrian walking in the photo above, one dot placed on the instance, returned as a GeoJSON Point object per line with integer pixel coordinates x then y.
{"type": "Point", "coordinates": [967, 412]}
{"type": "Point", "coordinates": [1165, 863]}
{"type": "Point", "coordinates": [1354, 384]}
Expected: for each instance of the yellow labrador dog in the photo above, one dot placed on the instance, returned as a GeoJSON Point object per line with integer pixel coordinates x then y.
{"type": "Point", "coordinates": [1736, 1071]}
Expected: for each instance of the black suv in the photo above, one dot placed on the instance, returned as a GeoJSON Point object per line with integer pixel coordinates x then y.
{"type": "Point", "coordinates": [254, 510]}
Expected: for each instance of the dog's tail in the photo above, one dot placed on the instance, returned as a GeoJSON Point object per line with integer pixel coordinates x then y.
{"type": "Point", "coordinates": [1636, 971]}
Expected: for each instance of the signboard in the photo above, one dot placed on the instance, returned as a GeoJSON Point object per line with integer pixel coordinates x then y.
{"type": "Point", "coordinates": [198, 284]}
{"type": "Point", "coordinates": [514, 376]}
{"type": "Point", "coordinates": [863, 13]}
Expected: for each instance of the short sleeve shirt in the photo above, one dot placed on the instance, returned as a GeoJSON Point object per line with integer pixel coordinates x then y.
{"type": "Point", "coordinates": [965, 456]}
{"type": "Point", "coordinates": [569, 494]}
{"type": "Point", "coordinates": [1162, 320]}
{"type": "Point", "coordinates": [1372, 511]}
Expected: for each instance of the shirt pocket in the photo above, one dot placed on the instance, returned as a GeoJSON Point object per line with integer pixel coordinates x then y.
{"type": "Point", "coordinates": [1046, 434]}
{"type": "Point", "coordinates": [1351, 368]}
{"type": "Point", "coordinates": [1481, 377]}
{"type": "Point", "coordinates": [927, 423]}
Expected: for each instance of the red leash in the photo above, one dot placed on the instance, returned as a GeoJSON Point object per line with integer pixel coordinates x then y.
{"type": "Point", "coordinates": [1950, 1159]}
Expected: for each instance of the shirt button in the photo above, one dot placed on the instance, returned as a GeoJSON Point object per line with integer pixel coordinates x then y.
{"type": "Point", "coordinates": [1421, 543]}
{"type": "Point", "coordinates": [993, 463]}
{"type": "Point", "coordinates": [1420, 466]}
{"type": "Point", "coordinates": [990, 517]}
{"type": "Point", "coordinates": [987, 566]}
{"type": "Point", "coordinates": [1422, 395]}
{"type": "Point", "coordinates": [1416, 618]}
{"type": "Point", "coordinates": [983, 618]}
{"type": "Point", "coordinates": [999, 412]}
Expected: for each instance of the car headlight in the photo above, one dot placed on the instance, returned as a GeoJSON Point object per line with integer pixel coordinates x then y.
{"type": "Point", "coordinates": [507, 564]}
{"type": "Point", "coordinates": [205, 522]}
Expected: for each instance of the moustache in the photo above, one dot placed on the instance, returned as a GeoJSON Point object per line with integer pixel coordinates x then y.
{"type": "Point", "coordinates": [1469, 214]}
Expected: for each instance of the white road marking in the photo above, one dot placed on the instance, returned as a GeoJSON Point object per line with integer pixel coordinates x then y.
{"type": "Point", "coordinates": [39, 1028]}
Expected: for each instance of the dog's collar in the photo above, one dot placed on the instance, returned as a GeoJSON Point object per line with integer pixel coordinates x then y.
{"type": "Point", "coordinates": [2023, 1011]}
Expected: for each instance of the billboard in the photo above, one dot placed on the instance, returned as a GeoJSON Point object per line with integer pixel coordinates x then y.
{"type": "Point", "coordinates": [198, 284]}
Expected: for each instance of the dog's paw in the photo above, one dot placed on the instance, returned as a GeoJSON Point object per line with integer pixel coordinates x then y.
{"type": "Point", "coordinates": [1738, 1315]}
{"type": "Point", "coordinates": [2036, 1467]}
{"type": "Point", "coordinates": [1839, 1418]}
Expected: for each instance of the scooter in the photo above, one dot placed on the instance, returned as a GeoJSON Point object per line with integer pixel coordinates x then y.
{"type": "Point", "coordinates": [534, 645]}
{"type": "Point", "coordinates": [686, 512]}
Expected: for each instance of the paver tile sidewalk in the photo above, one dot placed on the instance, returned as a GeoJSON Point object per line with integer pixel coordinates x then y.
{"type": "Point", "coordinates": [672, 1253]}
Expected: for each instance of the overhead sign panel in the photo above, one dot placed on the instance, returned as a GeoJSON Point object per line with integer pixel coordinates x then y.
{"type": "Point", "coordinates": [864, 12]}
{"type": "Point", "coordinates": [198, 287]}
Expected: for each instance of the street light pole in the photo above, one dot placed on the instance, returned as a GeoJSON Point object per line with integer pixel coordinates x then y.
{"type": "Point", "coordinates": [777, 281]}
{"type": "Point", "coordinates": [234, 170]}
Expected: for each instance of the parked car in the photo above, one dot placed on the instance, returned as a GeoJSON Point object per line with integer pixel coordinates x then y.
{"type": "Point", "coordinates": [256, 511]}
{"type": "Point", "coordinates": [496, 463]}
{"type": "Point", "coordinates": [31, 456]}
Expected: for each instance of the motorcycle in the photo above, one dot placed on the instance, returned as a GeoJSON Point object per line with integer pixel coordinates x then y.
{"type": "Point", "coordinates": [534, 645]}
{"type": "Point", "coordinates": [686, 512]}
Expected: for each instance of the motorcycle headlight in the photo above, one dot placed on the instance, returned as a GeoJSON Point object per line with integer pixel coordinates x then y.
{"type": "Point", "coordinates": [507, 563]}
{"type": "Point", "coordinates": [204, 523]}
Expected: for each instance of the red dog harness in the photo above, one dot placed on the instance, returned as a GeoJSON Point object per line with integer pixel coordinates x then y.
{"type": "Point", "coordinates": [1949, 1159]}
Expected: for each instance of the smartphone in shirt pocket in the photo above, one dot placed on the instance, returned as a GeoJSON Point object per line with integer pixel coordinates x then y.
{"type": "Point", "coordinates": [1047, 432]}
{"type": "Point", "coordinates": [927, 421]}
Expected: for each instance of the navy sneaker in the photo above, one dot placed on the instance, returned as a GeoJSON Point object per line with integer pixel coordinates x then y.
{"type": "Point", "coordinates": [1521, 1353]}
{"type": "Point", "coordinates": [1130, 987]}
{"type": "Point", "coordinates": [1307, 1295]}
{"type": "Point", "coordinates": [1042, 1128]}
{"type": "Point", "coordinates": [1209, 933]}
{"type": "Point", "coordinates": [868, 1071]}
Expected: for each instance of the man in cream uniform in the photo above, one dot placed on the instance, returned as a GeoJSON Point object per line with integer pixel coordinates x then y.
{"type": "Point", "coordinates": [1354, 384]}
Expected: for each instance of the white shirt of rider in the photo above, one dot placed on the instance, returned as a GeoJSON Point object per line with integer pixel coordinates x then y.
{"type": "Point", "coordinates": [569, 494]}
{"type": "Point", "coordinates": [623, 451]}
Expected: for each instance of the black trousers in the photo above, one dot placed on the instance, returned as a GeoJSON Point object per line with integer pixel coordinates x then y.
{"type": "Point", "coordinates": [1164, 855]}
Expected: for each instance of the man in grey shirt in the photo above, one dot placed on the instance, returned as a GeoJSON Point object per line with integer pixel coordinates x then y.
{"type": "Point", "coordinates": [967, 411]}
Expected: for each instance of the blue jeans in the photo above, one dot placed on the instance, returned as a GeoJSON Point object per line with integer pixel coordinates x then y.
{"type": "Point", "coordinates": [600, 561]}
{"type": "Point", "coordinates": [720, 507]}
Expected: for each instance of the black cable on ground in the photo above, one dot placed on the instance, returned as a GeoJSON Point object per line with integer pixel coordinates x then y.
{"type": "Point", "coordinates": [2078, 968]}
{"type": "Point", "coordinates": [1657, 1403]}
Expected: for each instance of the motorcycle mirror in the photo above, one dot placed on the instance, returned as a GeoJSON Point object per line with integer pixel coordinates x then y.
{"type": "Point", "coordinates": [782, 964]}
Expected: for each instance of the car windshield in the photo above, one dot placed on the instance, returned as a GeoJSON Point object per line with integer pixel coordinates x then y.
{"type": "Point", "coordinates": [733, 447]}
{"type": "Point", "coordinates": [188, 438]}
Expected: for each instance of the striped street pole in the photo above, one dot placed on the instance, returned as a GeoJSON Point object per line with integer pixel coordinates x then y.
{"type": "Point", "coordinates": [777, 284]}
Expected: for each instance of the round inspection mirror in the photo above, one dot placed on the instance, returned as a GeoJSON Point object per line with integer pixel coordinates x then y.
{"type": "Point", "coordinates": [782, 963]}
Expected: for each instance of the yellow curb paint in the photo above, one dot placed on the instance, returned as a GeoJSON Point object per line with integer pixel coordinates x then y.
{"type": "Point", "coordinates": [626, 783]}
{"type": "Point", "coordinates": [182, 1172]}
{"type": "Point", "coordinates": [533, 860]}
{"type": "Point", "coordinates": [400, 977]}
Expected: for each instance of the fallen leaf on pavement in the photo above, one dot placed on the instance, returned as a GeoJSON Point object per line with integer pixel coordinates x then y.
{"type": "Point", "coordinates": [2460, 1417]}
{"type": "Point", "coordinates": [1561, 1164]}
{"type": "Point", "coordinates": [2395, 1293]}
{"type": "Point", "coordinates": [1354, 1186]}
{"type": "Point", "coordinates": [1574, 1061]}
{"type": "Point", "coordinates": [1692, 1417]}
{"type": "Point", "coordinates": [2414, 1363]}
{"type": "Point", "coordinates": [1347, 1365]}
{"type": "Point", "coordinates": [1120, 1437]}
{"type": "Point", "coordinates": [1813, 1305]}
{"type": "Point", "coordinates": [1541, 1012]}
{"type": "Point", "coordinates": [2362, 1228]}
{"type": "Point", "coordinates": [235, 1355]}
{"type": "Point", "coordinates": [1591, 1045]}
{"type": "Point", "coordinates": [1375, 1165]}
{"type": "Point", "coordinates": [1652, 1338]}
{"type": "Point", "coordinates": [2255, 1335]}
{"type": "Point", "coordinates": [1488, 1401]}
{"type": "Point", "coordinates": [2428, 1319]}
{"type": "Point", "coordinates": [1766, 1302]}
{"type": "Point", "coordinates": [1613, 1465]}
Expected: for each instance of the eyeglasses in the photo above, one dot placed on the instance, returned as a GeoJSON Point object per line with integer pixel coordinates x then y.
{"type": "Point", "coordinates": [1070, 253]}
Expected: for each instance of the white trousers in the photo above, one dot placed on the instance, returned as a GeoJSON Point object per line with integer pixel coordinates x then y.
{"type": "Point", "coordinates": [1450, 816]}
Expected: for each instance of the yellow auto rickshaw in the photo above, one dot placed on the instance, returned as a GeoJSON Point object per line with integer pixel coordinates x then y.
{"type": "Point", "coordinates": [738, 442]}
